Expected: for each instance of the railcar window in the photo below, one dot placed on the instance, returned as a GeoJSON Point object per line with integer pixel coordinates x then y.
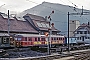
{"type": "Point", "coordinates": [25, 38]}
{"type": "Point", "coordinates": [63, 38]}
{"type": "Point", "coordinates": [57, 38]}
{"type": "Point", "coordinates": [35, 39]}
{"type": "Point", "coordinates": [38, 38]}
{"type": "Point", "coordinates": [52, 38]}
{"type": "Point", "coordinates": [30, 39]}
{"type": "Point", "coordinates": [19, 39]}
{"type": "Point", "coordinates": [15, 38]}
{"type": "Point", "coordinates": [43, 39]}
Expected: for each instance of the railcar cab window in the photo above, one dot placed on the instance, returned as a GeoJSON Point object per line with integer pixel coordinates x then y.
{"type": "Point", "coordinates": [5, 40]}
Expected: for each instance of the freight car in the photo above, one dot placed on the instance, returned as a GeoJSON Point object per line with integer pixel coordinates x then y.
{"type": "Point", "coordinates": [24, 40]}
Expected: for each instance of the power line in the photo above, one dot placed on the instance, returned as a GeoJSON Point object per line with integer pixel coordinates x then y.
{"type": "Point", "coordinates": [62, 1]}
{"type": "Point", "coordinates": [73, 3]}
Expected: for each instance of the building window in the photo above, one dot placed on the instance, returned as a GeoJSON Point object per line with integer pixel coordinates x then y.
{"type": "Point", "coordinates": [77, 32]}
{"type": "Point", "coordinates": [77, 38]}
{"type": "Point", "coordinates": [88, 32]}
{"type": "Point", "coordinates": [86, 37]}
{"type": "Point", "coordinates": [85, 32]}
{"type": "Point", "coordinates": [81, 32]}
{"type": "Point", "coordinates": [80, 38]}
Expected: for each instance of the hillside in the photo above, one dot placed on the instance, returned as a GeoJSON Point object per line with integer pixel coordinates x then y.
{"type": "Point", "coordinates": [60, 15]}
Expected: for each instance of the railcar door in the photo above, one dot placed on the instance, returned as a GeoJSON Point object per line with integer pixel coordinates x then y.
{"type": "Point", "coordinates": [12, 42]}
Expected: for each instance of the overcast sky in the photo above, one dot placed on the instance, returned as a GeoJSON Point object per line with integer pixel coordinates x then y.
{"type": "Point", "coordinates": [21, 5]}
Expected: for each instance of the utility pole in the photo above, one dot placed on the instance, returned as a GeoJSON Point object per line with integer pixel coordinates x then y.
{"type": "Point", "coordinates": [68, 33]}
{"type": "Point", "coordinates": [8, 24]}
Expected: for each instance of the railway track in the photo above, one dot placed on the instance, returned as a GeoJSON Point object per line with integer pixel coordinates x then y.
{"type": "Point", "coordinates": [72, 48]}
{"type": "Point", "coordinates": [27, 52]}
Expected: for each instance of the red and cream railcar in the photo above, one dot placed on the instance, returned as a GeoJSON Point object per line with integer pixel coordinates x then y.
{"type": "Point", "coordinates": [56, 39]}
{"type": "Point", "coordinates": [37, 40]}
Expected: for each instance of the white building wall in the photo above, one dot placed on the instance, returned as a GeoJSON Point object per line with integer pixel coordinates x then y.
{"type": "Point", "coordinates": [83, 38]}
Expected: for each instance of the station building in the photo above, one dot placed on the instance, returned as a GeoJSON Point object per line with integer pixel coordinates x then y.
{"type": "Point", "coordinates": [41, 24]}
{"type": "Point", "coordinates": [28, 24]}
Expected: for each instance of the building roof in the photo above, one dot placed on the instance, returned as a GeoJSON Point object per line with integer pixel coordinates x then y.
{"type": "Point", "coordinates": [40, 22]}
{"type": "Point", "coordinates": [35, 17]}
{"type": "Point", "coordinates": [15, 25]}
{"type": "Point", "coordinates": [86, 26]}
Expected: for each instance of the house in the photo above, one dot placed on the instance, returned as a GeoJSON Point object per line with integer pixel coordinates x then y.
{"type": "Point", "coordinates": [83, 33]}
{"type": "Point", "coordinates": [40, 24]}
{"type": "Point", "coordinates": [17, 26]}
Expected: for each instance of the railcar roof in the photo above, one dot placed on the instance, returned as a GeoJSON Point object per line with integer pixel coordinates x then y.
{"type": "Point", "coordinates": [36, 35]}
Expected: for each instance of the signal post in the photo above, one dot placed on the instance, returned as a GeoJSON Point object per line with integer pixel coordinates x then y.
{"type": "Point", "coordinates": [48, 42]}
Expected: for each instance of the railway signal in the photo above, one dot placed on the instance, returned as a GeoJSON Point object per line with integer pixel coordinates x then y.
{"type": "Point", "coordinates": [46, 34]}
